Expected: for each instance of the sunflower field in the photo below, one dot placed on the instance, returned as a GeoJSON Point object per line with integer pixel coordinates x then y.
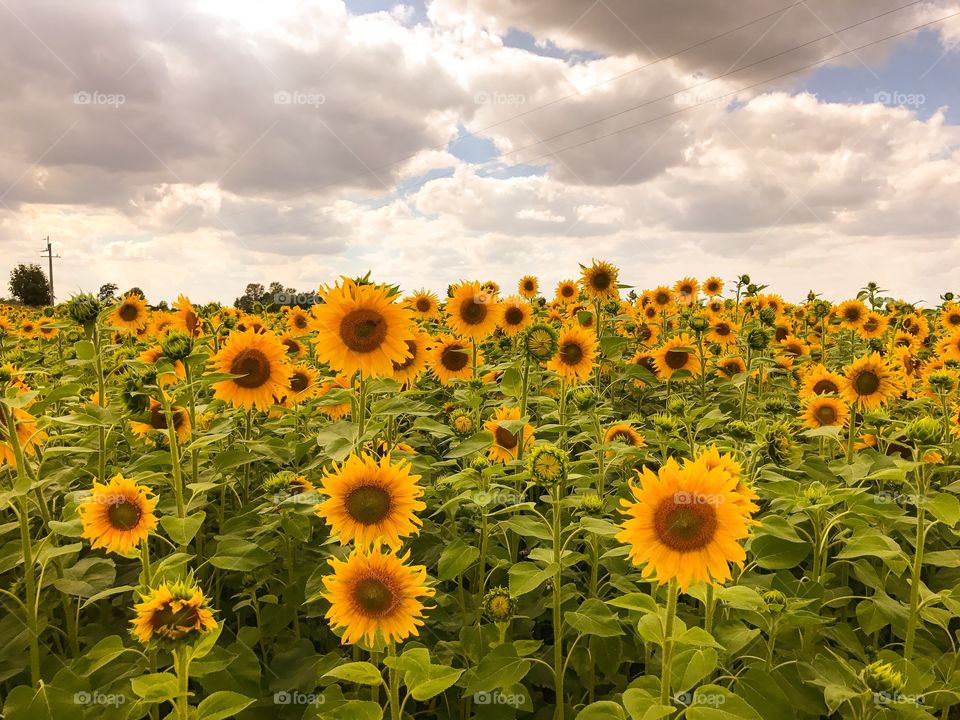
{"type": "Point", "coordinates": [588, 502]}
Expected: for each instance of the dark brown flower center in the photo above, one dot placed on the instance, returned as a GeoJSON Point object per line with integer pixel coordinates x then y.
{"type": "Point", "coordinates": [567, 291]}
{"type": "Point", "coordinates": [824, 386]}
{"type": "Point", "coordinates": [124, 515]}
{"type": "Point", "coordinates": [453, 358]}
{"type": "Point", "coordinates": [363, 330]}
{"type": "Point", "coordinates": [412, 347]}
{"type": "Point", "coordinates": [685, 525]}
{"type": "Point", "coordinates": [571, 353]}
{"type": "Point", "coordinates": [601, 280]}
{"type": "Point", "coordinates": [472, 311]}
{"type": "Point", "coordinates": [300, 322]}
{"type": "Point", "coordinates": [368, 504]}
{"type": "Point", "coordinates": [423, 305]}
{"type": "Point", "coordinates": [166, 622]}
{"type": "Point", "coordinates": [299, 381]}
{"type": "Point", "coordinates": [293, 347]}
{"type": "Point", "coordinates": [374, 597]}
{"type": "Point", "coordinates": [826, 415]}
{"type": "Point", "coordinates": [253, 367]}
{"type": "Point", "coordinates": [675, 359]}
{"type": "Point", "coordinates": [513, 316]}
{"type": "Point", "coordinates": [129, 312]}
{"type": "Point", "coordinates": [867, 383]}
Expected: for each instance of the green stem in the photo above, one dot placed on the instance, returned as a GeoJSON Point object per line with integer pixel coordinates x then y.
{"type": "Point", "coordinates": [557, 599]}
{"type": "Point", "coordinates": [668, 643]}
{"type": "Point", "coordinates": [394, 685]}
{"type": "Point", "coordinates": [914, 616]}
{"type": "Point", "coordinates": [182, 669]}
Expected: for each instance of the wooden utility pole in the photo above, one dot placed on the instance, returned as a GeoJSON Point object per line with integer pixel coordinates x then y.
{"type": "Point", "coordinates": [48, 253]}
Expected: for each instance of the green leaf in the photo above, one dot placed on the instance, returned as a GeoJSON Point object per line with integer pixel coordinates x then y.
{"type": "Point", "coordinates": [222, 704]}
{"type": "Point", "coordinates": [593, 617]}
{"type": "Point", "coordinates": [436, 679]}
{"type": "Point", "coordinates": [362, 673]}
{"type": "Point", "coordinates": [456, 558]}
{"type": "Point", "coordinates": [713, 702]}
{"type": "Point", "coordinates": [500, 668]}
{"type": "Point", "coordinates": [182, 531]}
{"type": "Point", "coordinates": [602, 710]}
{"type": "Point", "coordinates": [526, 576]}
{"type": "Point", "coordinates": [474, 443]}
{"type": "Point", "coordinates": [877, 546]}
{"type": "Point", "coordinates": [944, 507]}
{"type": "Point", "coordinates": [155, 687]}
{"type": "Point", "coordinates": [774, 553]}
{"type": "Point", "coordinates": [241, 555]}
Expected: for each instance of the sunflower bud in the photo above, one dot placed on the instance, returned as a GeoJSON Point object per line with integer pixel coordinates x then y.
{"type": "Point", "coordinates": [758, 339]}
{"type": "Point", "coordinates": [461, 421]}
{"type": "Point", "coordinates": [814, 492]}
{"type": "Point", "coordinates": [498, 606]}
{"type": "Point", "coordinates": [591, 504]}
{"type": "Point", "coordinates": [775, 405]}
{"type": "Point", "coordinates": [480, 463]}
{"type": "Point", "coordinates": [132, 393]}
{"type": "Point", "coordinates": [699, 323]}
{"type": "Point", "coordinates": [540, 342]}
{"type": "Point", "coordinates": [548, 465]}
{"type": "Point", "coordinates": [739, 430]}
{"type": "Point", "coordinates": [775, 601]}
{"type": "Point", "coordinates": [880, 677]}
{"type": "Point", "coordinates": [676, 405]}
{"type": "Point", "coordinates": [49, 312]}
{"type": "Point", "coordinates": [177, 345]}
{"type": "Point", "coordinates": [743, 280]}
{"type": "Point", "coordinates": [585, 399]}
{"type": "Point", "coordinates": [924, 431]}
{"type": "Point", "coordinates": [666, 424]}
{"type": "Point", "coordinates": [84, 309]}
{"type": "Point", "coordinates": [768, 316]}
{"type": "Point", "coordinates": [942, 381]}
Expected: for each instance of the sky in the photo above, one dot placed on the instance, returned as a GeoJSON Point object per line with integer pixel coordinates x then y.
{"type": "Point", "coordinates": [195, 146]}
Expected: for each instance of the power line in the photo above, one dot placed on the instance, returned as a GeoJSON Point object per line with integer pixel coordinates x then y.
{"type": "Point", "coordinates": [480, 132]}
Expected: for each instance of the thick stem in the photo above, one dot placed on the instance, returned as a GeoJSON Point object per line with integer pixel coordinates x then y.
{"type": "Point", "coordinates": [557, 616]}
{"type": "Point", "coordinates": [668, 643]}
{"type": "Point", "coordinates": [394, 685]}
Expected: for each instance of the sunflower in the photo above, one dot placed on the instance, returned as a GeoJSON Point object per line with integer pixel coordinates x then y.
{"type": "Point", "coordinates": [295, 348]}
{"type": "Point", "coordinates": [712, 458]}
{"type": "Point", "coordinates": [370, 502]}
{"type": "Point", "coordinates": [376, 592]}
{"type": "Point", "coordinates": [172, 612]}
{"type": "Point", "coordinates": [714, 306]}
{"type": "Point", "coordinates": [949, 318]}
{"type": "Point", "coordinates": [723, 332]}
{"type": "Point", "coordinates": [566, 293]}
{"type": "Point", "coordinates": [155, 354]}
{"type": "Point", "coordinates": [869, 382]}
{"type": "Point", "coordinates": [161, 323]}
{"type": "Point", "coordinates": [46, 329]}
{"type": "Point", "coordinates": [302, 384]}
{"type": "Point", "coordinates": [685, 291]}
{"type": "Point", "coordinates": [851, 314]}
{"type": "Point", "coordinates": [949, 347]}
{"type": "Point", "coordinates": [450, 359]}
{"type": "Point", "coordinates": [599, 281]}
{"type": "Point", "coordinates": [411, 368]}
{"type": "Point", "coordinates": [297, 319]}
{"type": "Point", "coordinates": [505, 444]}
{"type": "Point", "coordinates": [252, 323]}
{"type": "Point", "coordinates": [28, 329]}
{"type": "Point", "coordinates": [158, 422]}
{"type": "Point", "coordinates": [131, 314]}
{"type": "Point", "coordinates": [685, 524]}
{"type": "Point", "coordinates": [713, 286]}
{"type": "Point", "coordinates": [186, 317]}
{"type": "Point", "coordinates": [818, 380]}
{"type": "Point", "coordinates": [528, 287]}
{"type": "Point", "coordinates": [331, 408]}
{"type": "Point", "coordinates": [515, 315]}
{"type": "Point", "coordinates": [916, 325]}
{"type": "Point", "coordinates": [873, 326]}
{"type": "Point", "coordinates": [670, 359]}
{"type": "Point", "coordinates": [825, 410]}
{"type": "Point", "coordinates": [647, 333]}
{"type": "Point", "coordinates": [625, 434]}
{"type": "Point", "coordinates": [576, 351]}
{"type": "Point", "coordinates": [472, 312]}
{"type": "Point", "coordinates": [360, 328]}
{"type": "Point", "coordinates": [732, 366]}
{"type": "Point", "coordinates": [118, 515]}
{"type": "Point", "coordinates": [424, 304]}
{"type": "Point", "coordinates": [28, 436]}
{"type": "Point", "coordinates": [793, 346]}
{"type": "Point", "coordinates": [258, 359]}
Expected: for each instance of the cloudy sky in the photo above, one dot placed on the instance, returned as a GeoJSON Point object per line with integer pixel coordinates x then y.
{"type": "Point", "coordinates": [198, 145]}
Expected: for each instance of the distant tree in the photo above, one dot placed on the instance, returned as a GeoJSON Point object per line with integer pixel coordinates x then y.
{"type": "Point", "coordinates": [136, 291]}
{"type": "Point", "coordinates": [107, 293]}
{"type": "Point", "coordinates": [29, 285]}
{"type": "Point", "coordinates": [255, 293]}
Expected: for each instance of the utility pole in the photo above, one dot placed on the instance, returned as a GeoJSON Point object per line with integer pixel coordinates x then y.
{"type": "Point", "coordinates": [50, 256]}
